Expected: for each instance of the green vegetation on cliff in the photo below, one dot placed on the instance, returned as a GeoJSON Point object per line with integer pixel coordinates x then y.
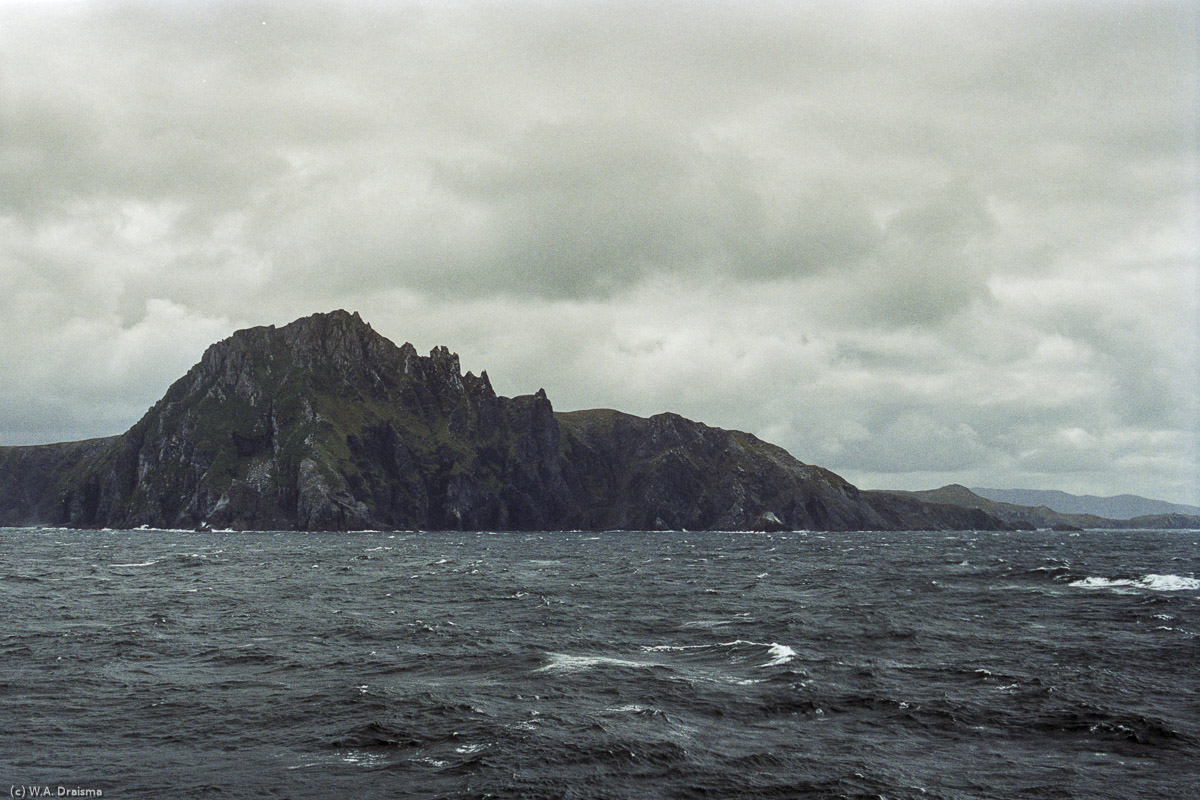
{"type": "Point", "coordinates": [325, 424]}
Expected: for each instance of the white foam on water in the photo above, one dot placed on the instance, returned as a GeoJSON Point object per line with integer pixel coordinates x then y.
{"type": "Point", "coordinates": [562, 662]}
{"type": "Point", "coordinates": [1156, 583]}
{"type": "Point", "coordinates": [1100, 583]}
{"type": "Point", "coordinates": [770, 647]}
{"type": "Point", "coordinates": [1170, 583]}
{"type": "Point", "coordinates": [142, 564]}
{"type": "Point", "coordinates": [781, 653]}
{"type": "Point", "coordinates": [680, 647]}
{"type": "Point", "coordinates": [365, 760]}
{"type": "Point", "coordinates": [675, 648]}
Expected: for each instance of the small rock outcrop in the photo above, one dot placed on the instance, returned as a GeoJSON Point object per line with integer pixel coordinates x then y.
{"type": "Point", "coordinates": [324, 424]}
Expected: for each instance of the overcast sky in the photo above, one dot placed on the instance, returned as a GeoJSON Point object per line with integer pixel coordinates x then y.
{"type": "Point", "coordinates": [915, 243]}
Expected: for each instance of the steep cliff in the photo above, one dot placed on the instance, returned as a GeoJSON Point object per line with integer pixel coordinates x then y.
{"type": "Point", "coordinates": [33, 479]}
{"type": "Point", "coordinates": [325, 424]}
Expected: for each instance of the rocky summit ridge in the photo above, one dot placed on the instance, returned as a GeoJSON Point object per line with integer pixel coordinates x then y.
{"type": "Point", "coordinates": [324, 424]}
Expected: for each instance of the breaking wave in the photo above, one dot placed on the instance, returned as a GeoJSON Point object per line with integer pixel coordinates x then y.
{"type": "Point", "coordinates": [1154, 583]}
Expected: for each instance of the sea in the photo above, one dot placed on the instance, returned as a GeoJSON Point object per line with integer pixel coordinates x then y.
{"type": "Point", "coordinates": [175, 664]}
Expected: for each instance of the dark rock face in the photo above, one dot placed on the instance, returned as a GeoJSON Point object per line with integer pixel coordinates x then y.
{"type": "Point", "coordinates": [669, 472]}
{"type": "Point", "coordinates": [29, 475]}
{"type": "Point", "coordinates": [326, 425]}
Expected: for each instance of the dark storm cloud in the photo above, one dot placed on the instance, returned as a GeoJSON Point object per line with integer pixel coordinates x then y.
{"type": "Point", "coordinates": [909, 241]}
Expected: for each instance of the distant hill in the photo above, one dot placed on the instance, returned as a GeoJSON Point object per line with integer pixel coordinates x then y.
{"type": "Point", "coordinates": [1124, 506]}
{"type": "Point", "coordinates": [1015, 515]}
{"type": "Point", "coordinates": [1031, 517]}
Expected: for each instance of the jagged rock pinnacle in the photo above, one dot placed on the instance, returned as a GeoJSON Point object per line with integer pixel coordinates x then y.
{"type": "Point", "coordinates": [324, 423]}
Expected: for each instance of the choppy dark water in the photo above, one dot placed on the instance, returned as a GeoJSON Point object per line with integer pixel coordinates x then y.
{"type": "Point", "coordinates": [680, 665]}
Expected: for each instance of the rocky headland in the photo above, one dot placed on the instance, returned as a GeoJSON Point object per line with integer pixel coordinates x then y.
{"type": "Point", "coordinates": [324, 424]}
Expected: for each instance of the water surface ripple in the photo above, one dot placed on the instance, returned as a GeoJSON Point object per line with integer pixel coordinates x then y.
{"type": "Point", "coordinates": [601, 665]}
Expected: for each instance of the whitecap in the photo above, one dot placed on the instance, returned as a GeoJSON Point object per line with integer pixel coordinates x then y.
{"type": "Point", "coordinates": [674, 648]}
{"type": "Point", "coordinates": [1170, 583]}
{"type": "Point", "coordinates": [781, 653]}
{"type": "Point", "coordinates": [142, 564]}
{"type": "Point", "coordinates": [634, 708]}
{"type": "Point", "coordinates": [562, 662]}
{"type": "Point", "coordinates": [365, 760]}
{"type": "Point", "coordinates": [1157, 583]}
{"type": "Point", "coordinates": [1101, 583]}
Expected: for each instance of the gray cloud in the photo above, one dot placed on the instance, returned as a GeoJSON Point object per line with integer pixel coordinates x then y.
{"type": "Point", "coordinates": [910, 242]}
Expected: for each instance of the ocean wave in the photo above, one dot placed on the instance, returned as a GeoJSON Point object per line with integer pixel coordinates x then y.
{"type": "Point", "coordinates": [638, 685]}
{"type": "Point", "coordinates": [1156, 583]}
{"type": "Point", "coordinates": [563, 662]}
{"type": "Point", "coordinates": [1092, 721]}
{"type": "Point", "coordinates": [779, 654]}
{"type": "Point", "coordinates": [638, 709]}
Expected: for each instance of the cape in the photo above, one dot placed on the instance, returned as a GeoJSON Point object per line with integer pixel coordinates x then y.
{"type": "Point", "coordinates": [324, 424]}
